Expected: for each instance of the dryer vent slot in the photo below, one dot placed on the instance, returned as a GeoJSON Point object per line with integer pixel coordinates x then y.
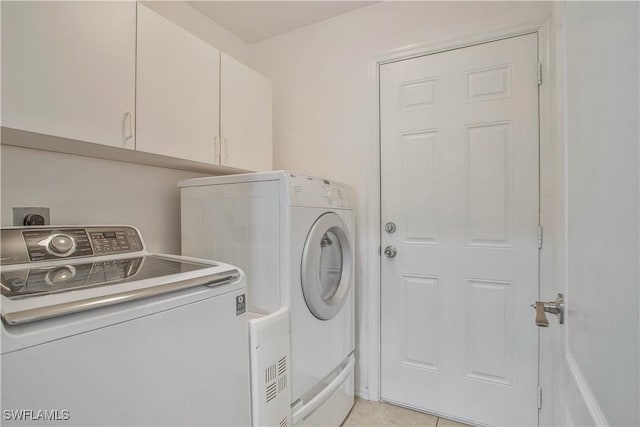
{"type": "Point", "coordinates": [276, 378]}
{"type": "Point", "coordinates": [282, 383]}
{"type": "Point", "coordinates": [270, 374]}
{"type": "Point", "coordinates": [272, 391]}
{"type": "Point", "coordinates": [282, 366]}
{"type": "Point", "coordinates": [284, 423]}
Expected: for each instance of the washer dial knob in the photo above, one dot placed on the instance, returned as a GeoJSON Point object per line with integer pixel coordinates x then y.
{"type": "Point", "coordinates": [61, 244]}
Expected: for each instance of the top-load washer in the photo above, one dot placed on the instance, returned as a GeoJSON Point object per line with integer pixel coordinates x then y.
{"type": "Point", "coordinates": [98, 331]}
{"type": "Point", "coordinates": [293, 236]}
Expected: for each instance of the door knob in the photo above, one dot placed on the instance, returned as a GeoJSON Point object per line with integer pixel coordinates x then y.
{"type": "Point", "coordinates": [390, 251]}
{"type": "Point", "coordinates": [554, 307]}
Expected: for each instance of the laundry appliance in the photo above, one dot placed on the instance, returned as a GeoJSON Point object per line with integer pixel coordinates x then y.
{"type": "Point", "coordinates": [98, 331]}
{"type": "Point", "coordinates": [293, 236]}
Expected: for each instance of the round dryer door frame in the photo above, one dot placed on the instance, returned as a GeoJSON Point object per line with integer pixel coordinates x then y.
{"type": "Point", "coordinates": [325, 308]}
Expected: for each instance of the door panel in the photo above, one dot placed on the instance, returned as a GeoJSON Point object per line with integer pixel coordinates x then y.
{"type": "Point", "coordinates": [459, 150]}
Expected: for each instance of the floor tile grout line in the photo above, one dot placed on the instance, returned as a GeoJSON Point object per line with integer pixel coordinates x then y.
{"type": "Point", "coordinates": [359, 416]}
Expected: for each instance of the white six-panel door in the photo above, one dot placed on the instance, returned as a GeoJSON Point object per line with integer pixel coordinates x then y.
{"type": "Point", "coordinates": [459, 165]}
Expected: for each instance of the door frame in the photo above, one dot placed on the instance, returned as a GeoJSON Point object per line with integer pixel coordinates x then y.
{"type": "Point", "coordinates": [551, 172]}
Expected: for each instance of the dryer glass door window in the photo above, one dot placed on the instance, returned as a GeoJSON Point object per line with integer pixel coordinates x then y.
{"type": "Point", "coordinates": [326, 266]}
{"type": "Point", "coordinates": [330, 265]}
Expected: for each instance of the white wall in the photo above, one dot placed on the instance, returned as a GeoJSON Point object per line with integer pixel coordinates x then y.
{"type": "Point", "coordinates": [602, 119]}
{"type": "Point", "coordinates": [82, 190]}
{"type": "Point", "coordinates": [202, 26]}
{"type": "Point", "coordinates": [324, 98]}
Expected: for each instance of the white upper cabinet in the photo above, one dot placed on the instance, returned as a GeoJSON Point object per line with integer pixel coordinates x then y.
{"type": "Point", "coordinates": [68, 69]}
{"type": "Point", "coordinates": [119, 74]}
{"type": "Point", "coordinates": [178, 91]}
{"type": "Point", "coordinates": [246, 117]}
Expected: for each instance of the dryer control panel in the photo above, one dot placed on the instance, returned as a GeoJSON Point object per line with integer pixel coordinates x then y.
{"type": "Point", "coordinates": [318, 192]}
{"type": "Point", "coordinates": [33, 244]}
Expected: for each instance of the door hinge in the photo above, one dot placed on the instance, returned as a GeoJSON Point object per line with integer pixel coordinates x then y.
{"type": "Point", "coordinates": [539, 237]}
{"type": "Point", "coordinates": [539, 397]}
{"type": "Point", "coordinates": [539, 73]}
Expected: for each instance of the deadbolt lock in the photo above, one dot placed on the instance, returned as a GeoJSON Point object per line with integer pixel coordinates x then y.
{"type": "Point", "coordinates": [390, 227]}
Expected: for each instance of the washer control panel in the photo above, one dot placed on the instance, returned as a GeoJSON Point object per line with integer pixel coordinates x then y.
{"type": "Point", "coordinates": [46, 244]}
{"type": "Point", "coordinates": [115, 241]}
{"type": "Point", "coordinates": [33, 244]}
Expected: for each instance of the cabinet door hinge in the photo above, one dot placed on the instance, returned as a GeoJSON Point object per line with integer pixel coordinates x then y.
{"type": "Point", "coordinates": [539, 237]}
{"type": "Point", "coordinates": [539, 397]}
{"type": "Point", "coordinates": [539, 73]}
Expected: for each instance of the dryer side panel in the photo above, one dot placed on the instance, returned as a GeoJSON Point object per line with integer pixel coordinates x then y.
{"type": "Point", "coordinates": [237, 224]}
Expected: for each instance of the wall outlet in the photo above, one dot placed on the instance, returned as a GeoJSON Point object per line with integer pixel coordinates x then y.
{"type": "Point", "coordinates": [31, 216]}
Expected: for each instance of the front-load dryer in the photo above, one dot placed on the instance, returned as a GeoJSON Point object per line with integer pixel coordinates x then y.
{"type": "Point", "coordinates": [293, 235]}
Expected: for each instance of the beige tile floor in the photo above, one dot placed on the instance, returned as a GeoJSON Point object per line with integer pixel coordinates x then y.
{"type": "Point", "coordinates": [369, 414]}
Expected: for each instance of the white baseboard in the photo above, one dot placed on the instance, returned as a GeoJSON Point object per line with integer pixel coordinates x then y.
{"type": "Point", "coordinates": [585, 409]}
{"type": "Point", "coordinates": [362, 393]}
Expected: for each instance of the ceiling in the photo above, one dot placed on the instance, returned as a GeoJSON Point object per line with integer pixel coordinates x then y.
{"type": "Point", "coordinates": [254, 21]}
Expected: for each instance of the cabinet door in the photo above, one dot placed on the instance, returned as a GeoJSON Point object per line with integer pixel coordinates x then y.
{"type": "Point", "coordinates": [68, 69]}
{"type": "Point", "coordinates": [178, 91]}
{"type": "Point", "coordinates": [246, 123]}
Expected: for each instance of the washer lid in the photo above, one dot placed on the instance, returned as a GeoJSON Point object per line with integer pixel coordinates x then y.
{"type": "Point", "coordinates": [327, 266]}
{"type": "Point", "coordinates": [154, 277]}
{"type": "Point", "coordinates": [45, 280]}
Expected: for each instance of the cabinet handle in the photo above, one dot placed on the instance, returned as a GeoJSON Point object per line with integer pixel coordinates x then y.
{"type": "Point", "coordinates": [216, 149]}
{"type": "Point", "coordinates": [226, 151]}
{"type": "Point", "coordinates": [128, 126]}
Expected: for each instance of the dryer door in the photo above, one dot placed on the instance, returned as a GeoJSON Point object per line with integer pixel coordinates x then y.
{"type": "Point", "coordinates": [327, 266]}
